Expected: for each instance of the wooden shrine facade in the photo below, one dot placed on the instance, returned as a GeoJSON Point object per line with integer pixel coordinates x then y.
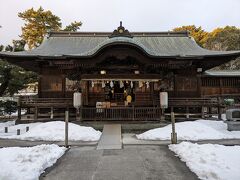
{"type": "Point", "coordinates": [124, 73]}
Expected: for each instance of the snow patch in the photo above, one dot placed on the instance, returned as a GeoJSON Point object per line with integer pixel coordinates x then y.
{"type": "Point", "coordinates": [29, 162]}
{"type": "Point", "coordinates": [192, 130]}
{"type": "Point", "coordinates": [50, 131]}
{"type": "Point", "coordinates": [210, 161]}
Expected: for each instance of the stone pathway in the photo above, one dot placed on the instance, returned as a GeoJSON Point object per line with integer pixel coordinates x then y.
{"type": "Point", "coordinates": [130, 163]}
{"type": "Point", "coordinates": [111, 137]}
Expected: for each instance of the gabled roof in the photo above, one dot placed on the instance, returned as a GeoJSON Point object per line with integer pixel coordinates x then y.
{"type": "Point", "coordinates": [87, 44]}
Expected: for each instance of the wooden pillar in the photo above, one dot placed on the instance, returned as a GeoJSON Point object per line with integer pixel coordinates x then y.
{"type": "Point", "coordinates": [51, 113]}
{"type": "Point", "coordinates": [174, 86]}
{"type": "Point", "coordinates": [79, 114]}
{"type": "Point", "coordinates": [199, 85]}
{"type": "Point", "coordinates": [36, 113]}
{"type": "Point", "coordinates": [220, 86]}
{"type": "Point", "coordinates": [152, 93]}
{"type": "Point", "coordinates": [219, 109]}
{"type": "Point", "coordinates": [163, 114]}
{"type": "Point", "coordinates": [173, 134]}
{"type": "Point", "coordinates": [63, 86]}
{"type": "Point", "coordinates": [19, 108]}
{"type": "Point", "coordinates": [39, 86]}
{"type": "Point", "coordinates": [133, 112]}
{"type": "Point", "coordinates": [187, 112]}
{"type": "Point", "coordinates": [160, 113]}
{"type": "Point", "coordinates": [66, 127]}
{"type": "Point", "coordinates": [210, 111]}
{"type": "Point", "coordinates": [202, 112]}
{"type": "Point", "coordinates": [86, 92]}
{"type": "Point", "coordinates": [28, 110]}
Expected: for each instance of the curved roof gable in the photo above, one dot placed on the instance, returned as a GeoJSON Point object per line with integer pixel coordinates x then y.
{"type": "Point", "coordinates": [84, 44]}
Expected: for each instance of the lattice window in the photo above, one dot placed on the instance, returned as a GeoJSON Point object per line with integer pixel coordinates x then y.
{"type": "Point", "coordinates": [211, 82]}
{"type": "Point", "coordinates": [231, 82]}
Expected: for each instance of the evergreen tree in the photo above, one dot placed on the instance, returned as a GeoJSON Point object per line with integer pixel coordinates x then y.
{"type": "Point", "coordinates": [199, 35]}
{"type": "Point", "coordinates": [39, 23]}
{"type": "Point", "coordinates": [74, 26]}
{"type": "Point", "coordinates": [225, 39]}
{"type": "Point", "coordinates": [12, 77]}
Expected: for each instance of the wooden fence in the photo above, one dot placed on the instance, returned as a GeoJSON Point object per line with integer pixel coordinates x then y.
{"type": "Point", "coordinates": [121, 113]}
{"type": "Point", "coordinates": [183, 107]}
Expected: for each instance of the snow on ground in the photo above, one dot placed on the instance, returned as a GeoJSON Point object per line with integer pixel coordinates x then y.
{"type": "Point", "coordinates": [210, 161]}
{"type": "Point", "coordinates": [6, 124]}
{"type": "Point", "coordinates": [29, 162]}
{"type": "Point", "coordinates": [223, 116]}
{"type": "Point", "coordinates": [192, 130]}
{"type": "Point", "coordinates": [16, 113]}
{"type": "Point", "coordinates": [49, 131]}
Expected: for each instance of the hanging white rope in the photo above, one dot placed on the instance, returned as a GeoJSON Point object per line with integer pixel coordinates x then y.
{"type": "Point", "coordinates": [131, 84]}
{"type": "Point", "coordinates": [103, 84]}
{"type": "Point", "coordinates": [111, 84]}
{"type": "Point", "coordinates": [121, 84]}
{"type": "Point", "coordinates": [147, 83]}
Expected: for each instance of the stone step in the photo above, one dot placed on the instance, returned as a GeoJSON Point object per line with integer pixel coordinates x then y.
{"type": "Point", "coordinates": [111, 137]}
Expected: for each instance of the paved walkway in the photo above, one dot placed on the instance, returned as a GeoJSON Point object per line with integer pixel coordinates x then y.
{"type": "Point", "coordinates": [137, 160]}
{"type": "Point", "coordinates": [127, 139]}
{"type": "Point", "coordinates": [22, 143]}
{"type": "Point", "coordinates": [129, 163]}
{"type": "Point", "coordinates": [130, 139]}
{"type": "Point", "coordinates": [111, 137]}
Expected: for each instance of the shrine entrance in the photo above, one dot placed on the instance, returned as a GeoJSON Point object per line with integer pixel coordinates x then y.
{"type": "Point", "coordinates": [121, 92]}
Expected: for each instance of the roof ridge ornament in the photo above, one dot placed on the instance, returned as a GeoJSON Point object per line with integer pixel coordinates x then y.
{"type": "Point", "coordinates": [121, 32]}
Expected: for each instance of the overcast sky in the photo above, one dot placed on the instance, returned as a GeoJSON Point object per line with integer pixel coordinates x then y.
{"type": "Point", "coordinates": [137, 15]}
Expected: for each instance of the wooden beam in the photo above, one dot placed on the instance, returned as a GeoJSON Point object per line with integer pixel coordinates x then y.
{"type": "Point", "coordinates": [129, 77]}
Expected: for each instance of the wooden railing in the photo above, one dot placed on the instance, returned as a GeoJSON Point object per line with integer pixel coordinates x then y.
{"type": "Point", "coordinates": [121, 113]}
{"type": "Point", "coordinates": [188, 106]}
{"type": "Point", "coordinates": [46, 102]}
{"type": "Point", "coordinates": [194, 102]}
{"type": "Point", "coordinates": [175, 102]}
{"type": "Point", "coordinates": [67, 102]}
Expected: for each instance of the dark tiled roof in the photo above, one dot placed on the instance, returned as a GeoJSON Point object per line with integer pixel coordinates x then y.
{"type": "Point", "coordinates": [155, 44]}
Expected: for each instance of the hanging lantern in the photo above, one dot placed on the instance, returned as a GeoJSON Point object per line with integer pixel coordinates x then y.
{"type": "Point", "coordinates": [77, 100]}
{"type": "Point", "coordinates": [147, 83]}
{"type": "Point", "coordinates": [111, 84]}
{"type": "Point", "coordinates": [103, 84]}
{"type": "Point", "coordinates": [163, 99]}
{"type": "Point", "coordinates": [131, 84]}
{"type": "Point", "coordinates": [121, 84]}
{"type": "Point", "coordinates": [92, 84]}
{"type": "Point", "coordinates": [140, 84]}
